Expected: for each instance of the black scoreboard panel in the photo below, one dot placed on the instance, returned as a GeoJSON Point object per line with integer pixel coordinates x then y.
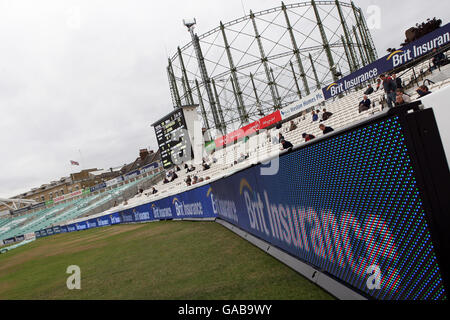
{"type": "Point", "coordinates": [171, 136]}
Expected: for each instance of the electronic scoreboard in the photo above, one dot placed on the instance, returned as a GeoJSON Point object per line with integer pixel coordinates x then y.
{"type": "Point", "coordinates": [173, 138]}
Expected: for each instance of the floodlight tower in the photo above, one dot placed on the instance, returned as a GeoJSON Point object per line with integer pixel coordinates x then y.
{"type": "Point", "coordinates": [220, 125]}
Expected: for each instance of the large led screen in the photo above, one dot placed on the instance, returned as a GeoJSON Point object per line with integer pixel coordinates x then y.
{"type": "Point", "coordinates": [350, 206]}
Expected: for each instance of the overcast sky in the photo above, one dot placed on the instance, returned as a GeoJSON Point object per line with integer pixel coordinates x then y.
{"type": "Point", "coordinates": [90, 75]}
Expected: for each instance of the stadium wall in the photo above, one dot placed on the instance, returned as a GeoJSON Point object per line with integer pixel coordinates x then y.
{"type": "Point", "coordinates": [367, 206]}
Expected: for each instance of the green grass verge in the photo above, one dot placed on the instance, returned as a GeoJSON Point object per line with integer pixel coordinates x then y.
{"type": "Point", "coordinates": [161, 260]}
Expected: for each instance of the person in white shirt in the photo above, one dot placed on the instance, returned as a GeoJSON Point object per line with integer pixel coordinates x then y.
{"type": "Point", "coordinates": [402, 98]}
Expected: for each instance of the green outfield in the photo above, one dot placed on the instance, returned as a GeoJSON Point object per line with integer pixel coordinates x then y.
{"type": "Point", "coordinates": [161, 260]}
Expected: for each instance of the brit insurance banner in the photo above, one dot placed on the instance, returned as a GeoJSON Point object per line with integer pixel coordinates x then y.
{"type": "Point", "coordinates": [408, 53]}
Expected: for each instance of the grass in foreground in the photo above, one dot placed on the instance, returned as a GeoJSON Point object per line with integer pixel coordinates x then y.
{"type": "Point", "coordinates": [161, 260]}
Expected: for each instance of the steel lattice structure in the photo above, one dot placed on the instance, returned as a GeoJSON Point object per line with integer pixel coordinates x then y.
{"type": "Point", "coordinates": [249, 67]}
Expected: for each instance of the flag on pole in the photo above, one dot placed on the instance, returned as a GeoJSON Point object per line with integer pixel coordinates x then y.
{"type": "Point", "coordinates": [74, 163]}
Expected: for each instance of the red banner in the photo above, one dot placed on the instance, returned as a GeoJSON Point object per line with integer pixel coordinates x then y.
{"type": "Point", "coordinates": [263, 123]}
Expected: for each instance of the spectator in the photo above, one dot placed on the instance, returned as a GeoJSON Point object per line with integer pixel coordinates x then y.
{"type": "Point", "coordinates": [398, 81]}
{"type": "Point", "coordinates": [241, 158]}
{"type": "Point", "coordinates": [201, 180]}
{"type": "Point", "coordinates": [195, 180]}
{"type": "Point", "coordinates": [178, 169]}
{"type": "Point", "coordinates": [308, 137]}
{"type": "Point", "coordinates": [402, 98]}
{"type": "Point", "coordinates": [174, 176]}
{"type": "Point", "coordinates": [438, 59]}
{"type": "Point", "coordinates": [325, 129]}
{"type": "Point", "coordinates": [286, 145]}
{"type": "Point", "coordinates": [207, 178]}
{"type": "Point", "coordinates": [365, 104]}
{"type": "Point", "coordinates": [304, 113]}
{"type": "Point", "coordinates": [390, 89]}
{"type": "Point", "coordinates": [423, 91]}
{"type": "Point", "coordinates": [326, 115]}
{"type": "Point", "coordinates": [205, 166]}
{"type": "Point", "coordinates": [141, 191]}
{"type": "Point", "coordinates": [280, 136]}
{"type": "Point", "coordinates": [293, 126]}
{"type": "Point", "coordinates": [188, 180]}
{"type": "Point", "coordinates": [369, 90]}
{"type": "Point", "coordinates": [186, 166]}
{"type": "Point", "coordinates": [315, 116]}
{"type": "Point", "coordinates": [154, 191]}
{"type": "Point", "coordinates": [378, 84]}
{"type": "Point", "coordinates": [166, 181]}
{"type": "Point", "coordinates": [190, 169]}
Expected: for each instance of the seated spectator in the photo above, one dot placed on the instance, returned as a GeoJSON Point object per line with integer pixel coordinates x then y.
{"type": "Point", "coordinates": [195, 180]}
{"type": "Point", "coordinates": [325, 129]}
{"type": "Point", "coordinates": [304, 113]}
{"type": "Point", "coordinates": [174, 176]}
{"type": "Point", "coordinates": [205, 166]}
{"type": "Point", "coordinates": [201, 180]}
{"type": "Point", "coordinates": [207, 178]}
{"type": "Point", "coordinates": [166, 180]}
{"type": "Point", "coordinates": [190, 169]}
{"type": "Point", "coordinates": [188, 180]}
{"type": "Point", "coordinates": [402, 98]}
{"type": "Point", "coordinates": [308, 137]}
{"type": "Point", "coordinates": [438, 60]}
{"type": "Point", "coordinates": [315, 116]}
{"type": "Point", "coordinates": [186, 166]}
{"type": "Point", "coordinates": [369, 90]}
{"type": "Point", "coordinates": [365, 104]}
{"type": "Point", "coordinates": [423, 91]}
{"type": "Point", "coordinates": [286, 145]}
{"type": "Point", "coordinates": [280, 136]}
{"type": "Point", "coordinates": [241, 158]}
{"type": "Point", "coordinates": [154, 191]}
{"type": "Point", "coordinates": [326, 115]}
{"type": "Point", "coordinates": [178, 168]}
{"type": "Point", "coordinates": [293, 126]}
{"type": "Point", "coordinates": [141, 191]}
